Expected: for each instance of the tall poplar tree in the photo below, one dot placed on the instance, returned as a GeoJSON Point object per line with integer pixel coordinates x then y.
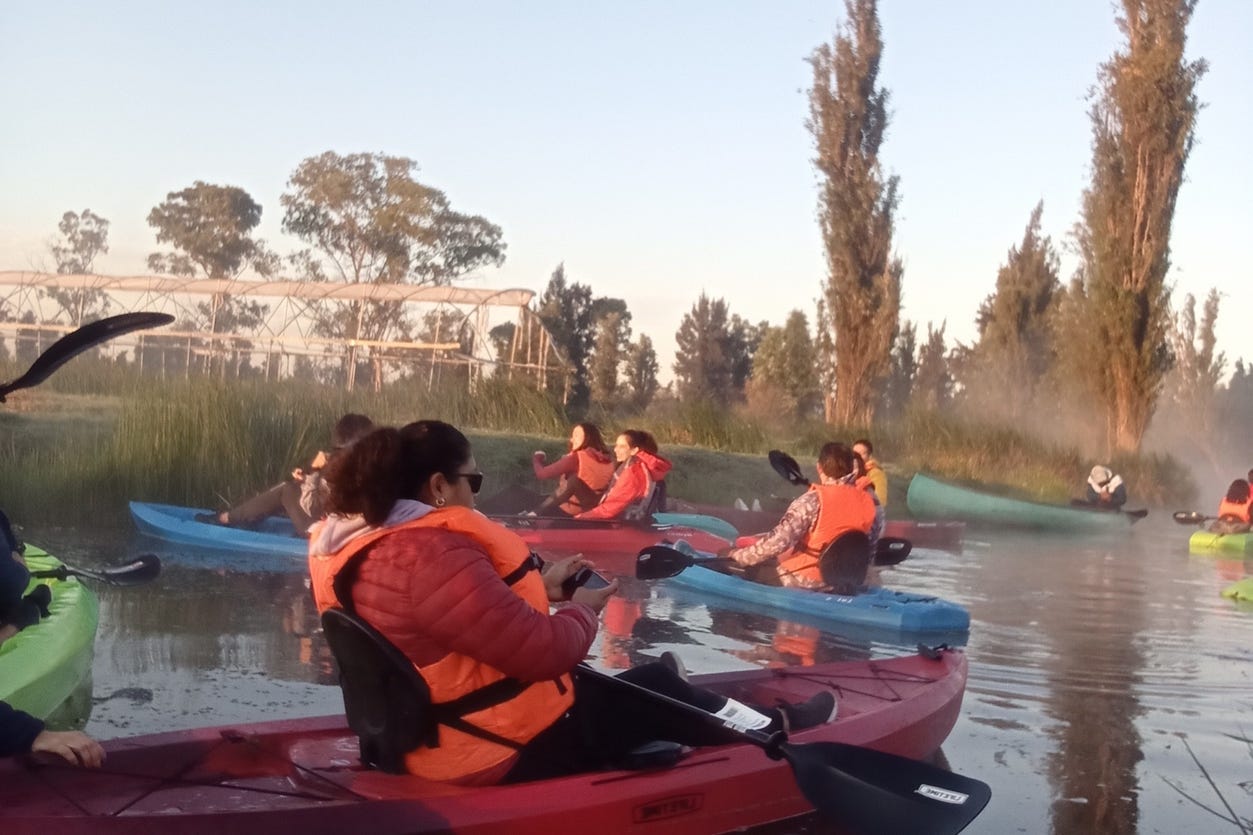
{"type": "Point", "coordinates": [1143, 128]}
{"type": "Point", "coordinates": [1005, 366]}
{"type": "Point", "coordinates": [641, 372]}
{"type": "Point", "coordinates": [702, 363]}
{"type": "Point", "coordinates": [848, 117]}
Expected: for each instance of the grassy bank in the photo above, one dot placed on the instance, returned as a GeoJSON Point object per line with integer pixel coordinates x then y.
{"type": "Point", "coordinates": [76, 457]}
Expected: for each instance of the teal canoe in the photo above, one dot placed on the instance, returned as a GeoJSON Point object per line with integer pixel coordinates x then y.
{"type": "Point", "coordinates": [44, 664]}
{"type": "Point", "coordinates": [930, 498]}
{"type": "Point", "coordinates": [1205, 542]}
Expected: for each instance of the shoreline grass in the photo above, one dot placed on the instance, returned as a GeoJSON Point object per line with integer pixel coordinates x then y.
{"type": "Point", "coordinates": [77, 452]}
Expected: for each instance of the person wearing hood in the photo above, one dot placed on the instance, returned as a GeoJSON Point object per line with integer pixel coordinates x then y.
{"type": "Point", "coordinates": [832, 506]}
{"type": "Point", "coordinates": [467, 603]}
{"type": "Point", "coordinates": [637, 489]}
{"type": "Point", "coordinates": [1105, 489]}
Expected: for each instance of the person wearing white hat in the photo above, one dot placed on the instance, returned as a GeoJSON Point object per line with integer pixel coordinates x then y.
{"type": "Point", "coordinates": [1106, 489]}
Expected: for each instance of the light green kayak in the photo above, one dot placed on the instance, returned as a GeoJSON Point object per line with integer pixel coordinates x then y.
{"type": "Point", "coordinates": [930, 498]}
{"type": "Point", "coordinates": [42, 665]}
{"type": "Point", "coordinates": [1240, 590]}
{"type": "Point", "coordinates": [1205, 542]}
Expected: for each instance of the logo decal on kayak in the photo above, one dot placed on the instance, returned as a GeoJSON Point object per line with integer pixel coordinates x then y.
{"type": "Point", "coordinates": [942, 795]}
{"type": "Point", "coordinates": [667, 807]}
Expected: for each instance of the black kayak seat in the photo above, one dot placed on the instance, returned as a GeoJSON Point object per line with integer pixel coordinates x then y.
{"type": "Point", "coordinates": [845, 561]}
{"type": "Point", "coordinates": [386, 700]}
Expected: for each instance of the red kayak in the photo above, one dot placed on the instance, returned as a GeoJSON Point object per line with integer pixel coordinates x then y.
{"type": "Point", "coordinates": [304, 775]}
{"type": "Point", "coordinates": [608, 538]}
{"type": "Point", "coordinates": [946, 536]}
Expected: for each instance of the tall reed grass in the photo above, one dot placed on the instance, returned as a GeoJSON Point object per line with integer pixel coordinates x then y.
{"type": "Point", "coordinates": [206, 442]}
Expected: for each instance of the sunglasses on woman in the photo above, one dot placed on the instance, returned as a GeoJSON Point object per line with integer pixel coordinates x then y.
{"type": "Point", "coordinates": [475, 480]}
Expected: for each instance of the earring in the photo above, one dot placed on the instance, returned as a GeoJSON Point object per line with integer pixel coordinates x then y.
{"type": "Point", "coordinates": [440, 502]}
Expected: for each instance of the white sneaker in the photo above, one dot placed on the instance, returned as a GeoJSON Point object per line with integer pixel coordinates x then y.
{"type": "Point", "coordinates": [739, 504]}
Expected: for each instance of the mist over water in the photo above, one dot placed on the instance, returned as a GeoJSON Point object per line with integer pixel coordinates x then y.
{"type": "Point", "coordinates": [1092, 662]}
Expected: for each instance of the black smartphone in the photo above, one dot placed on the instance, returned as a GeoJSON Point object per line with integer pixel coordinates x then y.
{"type": "Point", "coordinates": [583, 577]}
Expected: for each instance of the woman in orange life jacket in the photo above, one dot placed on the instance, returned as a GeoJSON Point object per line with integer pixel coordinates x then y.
{"type": "Point", "coordinates": [462, 598]}
{"type": "Point", "coordinates": [584, 472]}
{"type": "Point", "coordinates": [832, 506]}
{"type": "Point", "coordinates": [1235, 511]}
{"type": "Point", "coordinates": [638, 486]}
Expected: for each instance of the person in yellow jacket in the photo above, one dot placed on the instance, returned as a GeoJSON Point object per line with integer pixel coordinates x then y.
{"type": "Point", "coordinates": [878, 478]}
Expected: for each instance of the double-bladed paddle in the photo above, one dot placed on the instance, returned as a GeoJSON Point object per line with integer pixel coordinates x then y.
{"type": "Point", "coordinates": [75, 342]}
{"type": "Point", "coordinates": [864, 790]}
{"type": "Point", "coordinates": [1192, 517]}
{"type": "Point", "coordinates": [658, 562]}
{"type": "Point", "coordinates": [141, 570]}
{"type": "Point", "coordinates": [786, 466]}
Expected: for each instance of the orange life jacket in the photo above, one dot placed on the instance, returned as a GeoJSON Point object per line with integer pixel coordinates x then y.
{"type": "Point", "coordinates": [595, 470]}
{"type": "Point", "coordinates": [516, 714]}
{"type": "Point", "coordinates": [843, 507]}
{"type": "Point", "coordinates": [1240, 510]}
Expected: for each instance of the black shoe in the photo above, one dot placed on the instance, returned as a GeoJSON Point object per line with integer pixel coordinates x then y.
{"type": "Point", "coordinates": [675, 663]}
{"type": "Point", "coordinates": [41, 597]}
{"type": "Point", "coordinates": [24, 614]}
{"type": "Point", "coordinates": [819, 709]}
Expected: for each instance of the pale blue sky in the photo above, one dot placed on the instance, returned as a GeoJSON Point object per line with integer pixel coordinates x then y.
{"type": "Point", "coordinates": [657, 148]}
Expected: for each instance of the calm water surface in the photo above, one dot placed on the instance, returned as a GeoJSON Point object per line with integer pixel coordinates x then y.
{"type": "Point", "coordinates": [1098, 668]}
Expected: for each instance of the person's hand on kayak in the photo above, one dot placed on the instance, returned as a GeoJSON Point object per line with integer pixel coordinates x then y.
{"type": "Point", "coordinates": [75, 747]}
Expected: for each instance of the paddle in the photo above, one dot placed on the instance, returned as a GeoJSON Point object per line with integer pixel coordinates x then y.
{"type": "Point", "coordinates": [1192, 517]}
{"type": "Point", "coordinates": [786, 466]}
{"type": "Point", "coordinates": [75, 342]}
{"type": "Point", "coordinates": [858, 788]}
{"type": "Point", "coordinates": [141, 570]}
{"type": "Point", "coordinates": [657, 562]}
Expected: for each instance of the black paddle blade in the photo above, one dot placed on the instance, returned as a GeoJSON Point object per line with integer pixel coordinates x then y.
{"type": "Point", "coordinates": [75, 342]}
{"type": "Point", "coordinates": [1137, 514]}
{"type": "Point", "coordinates": [786, 466]}
{"type": "Point", "coordinates": [891, 550]}
{"type": "Point", "coordinates": [868, 791]}
{"type": "Point", "coordinates": [143, 569]}
{"type": "Point", "coordinates": [657, 562]}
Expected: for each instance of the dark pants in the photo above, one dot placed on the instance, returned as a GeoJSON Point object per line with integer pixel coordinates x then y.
{"type": "Point", "coordinates": [279, 499]}
{"type": "Point", "coordinates": [14, 577]}
{"type": "Point", "coordinates": [604, 724]}
{"type": "Point", "coordinates": [516, 499]}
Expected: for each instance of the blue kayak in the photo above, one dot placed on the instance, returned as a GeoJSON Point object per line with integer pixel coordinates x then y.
{"type": "Point", "coordinates": [274, 537]}
{"type": "Point", "coordinates": [878, 608]}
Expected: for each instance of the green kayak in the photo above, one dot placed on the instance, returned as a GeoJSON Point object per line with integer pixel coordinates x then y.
{"type": "Point", "coordinates": [930, 498]}
{"type": "Point", "coordinates": [42, 665]}
{"type": "Point", "coordinates": [1205, 542]}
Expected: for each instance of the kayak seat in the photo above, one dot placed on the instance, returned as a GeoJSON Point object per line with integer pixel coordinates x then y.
{"type": "Point", "coordinates": [386, 700]}
{"type": "Point", "coordinates": [845, 561]}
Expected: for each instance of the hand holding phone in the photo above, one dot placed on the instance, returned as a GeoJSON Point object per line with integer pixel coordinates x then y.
{"type": "Point", "coordinates": [585, 577]}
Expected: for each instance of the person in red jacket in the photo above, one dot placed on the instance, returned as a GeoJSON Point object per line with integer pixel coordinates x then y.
{"type": "Point", "coordinates": [462, 598]}
{"type": "Point", "coordinates": [584, 472]}
{"type": "Point", "coordinates": [638, 486]}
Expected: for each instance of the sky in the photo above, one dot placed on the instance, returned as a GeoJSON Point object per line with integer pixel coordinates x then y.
{"type": "Point", "coordinates": [657, 149]}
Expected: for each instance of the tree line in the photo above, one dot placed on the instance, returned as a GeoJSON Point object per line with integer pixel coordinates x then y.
{"type": "Point", "coordinates": [1108, 339]}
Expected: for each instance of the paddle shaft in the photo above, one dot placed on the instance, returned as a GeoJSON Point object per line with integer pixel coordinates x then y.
{"type": "Point", "coordinates": [142, 570]}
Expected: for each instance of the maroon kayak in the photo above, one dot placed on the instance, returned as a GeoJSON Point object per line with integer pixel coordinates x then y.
{"type": "Point", "coordinates": [946, 536]}
{"type": "Point", "coordinates": [607, 538]}
{"type": "Point", "coordinates": [304, 775]}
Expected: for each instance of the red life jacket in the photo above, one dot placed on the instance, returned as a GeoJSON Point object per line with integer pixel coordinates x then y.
{"type": "Point", "coordinates": [521, 712]}
{"type": "Point", "coordinates": [1238, 510]}
{"type": "Point", "coordinates": [595, 470]}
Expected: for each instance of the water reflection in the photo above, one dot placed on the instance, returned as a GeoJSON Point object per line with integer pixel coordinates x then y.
{"type": "Point", "coordinates": [1088, 660]}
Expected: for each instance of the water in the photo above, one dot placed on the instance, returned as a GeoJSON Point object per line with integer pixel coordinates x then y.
{"type": "Point", "coordinates": [1098, 668]}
